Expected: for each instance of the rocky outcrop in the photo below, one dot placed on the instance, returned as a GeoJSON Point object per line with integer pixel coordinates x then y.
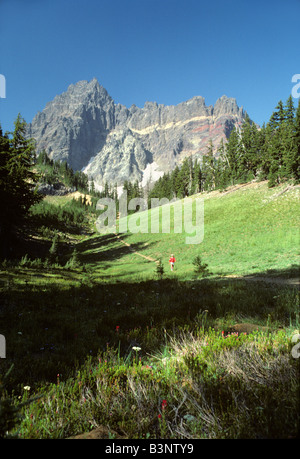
{"type": "Point", "coordinates": [56, 189]}
{"type": "Point", "coordinates": [111, 142]}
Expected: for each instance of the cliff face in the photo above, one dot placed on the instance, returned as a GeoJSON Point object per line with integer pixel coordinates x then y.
{"type": "Point", "coordinates": [111, 142]}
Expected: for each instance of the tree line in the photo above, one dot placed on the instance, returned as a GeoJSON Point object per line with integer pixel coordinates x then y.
{"type": "Point", "coordinates": [50, 171]}
{"type": "Point", "coordinates": [270, 153]}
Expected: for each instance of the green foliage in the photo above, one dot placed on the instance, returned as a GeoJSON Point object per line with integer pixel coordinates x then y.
{"type": "Point", "coordinates": [133, 190]}
{"type": "Point", "coordinates": [204, 375]}
{"type": "Point", "coordinates": [271, 152]}
{"type": "Point", "coordinates": [10, 410]}
{"type": "Point", "coordinates": [201, 269]}
{"type": "Point", "coordinates": [53, 251]}
{"type": "Point", "coordinates": [52, 172]}
{"type": "Point", "coordinates": [219, 386]}
{"type": "Point", "coordinates": [73, 262]}
{"type": "Point", "coordinates": [74, 330]}
{"type": "Point", "coordinates": [17, 182]}
{"type": "Point", "coordinates": [9, 414]}
{"type": "Point", "coordinates": [160, 270]}
{"type": "Point", "coordinates": [70, 216]}
{"type": "Point", "coordinates": [209, 169]}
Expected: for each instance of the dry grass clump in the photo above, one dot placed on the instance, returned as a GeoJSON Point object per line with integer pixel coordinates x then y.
{"type": "Point", "coordinates": [201, 385]}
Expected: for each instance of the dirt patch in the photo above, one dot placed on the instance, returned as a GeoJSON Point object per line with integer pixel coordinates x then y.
{"type": "Point", "coordinates": [100, 433]}
{"type": "Point", "coordinates": [246, 328]}
{"type": "Point", "coordinates": [134, 251]}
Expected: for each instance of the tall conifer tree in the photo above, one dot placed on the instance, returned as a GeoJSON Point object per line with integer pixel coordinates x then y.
{"type": "Point", "coordinates": [17, 182]}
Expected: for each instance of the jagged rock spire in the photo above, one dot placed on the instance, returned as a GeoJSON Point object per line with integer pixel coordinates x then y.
{"type": "Point", "coordinates": [113, 143]}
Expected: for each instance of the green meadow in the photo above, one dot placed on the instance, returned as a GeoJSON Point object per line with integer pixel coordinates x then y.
{"type": "Point", "coordinates": [96, 337]}
{"type": "Point", "coordinates": [254, 230]}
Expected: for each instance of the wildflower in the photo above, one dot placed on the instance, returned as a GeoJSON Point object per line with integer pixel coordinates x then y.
{"type": "Point", "coordinates": [146, 367]}
{"type": "Point", "coordinates": [136, 348]}
{"type": "Point", "coordinates": [164, 404]}
{"type": "Point", "coordinates": [117, 328]}
{"type": "Point", "coordinates": [26, 387]}
{"type": "Point", "coordinates": [159, 416]}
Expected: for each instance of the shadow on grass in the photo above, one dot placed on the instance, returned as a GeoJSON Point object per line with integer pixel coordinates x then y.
{"type": "Point", "coordinates": [105, 248]}
{"type": "Point", "coordinates": [50, 329]}
{"type": "Point", "coordinates": [287, 273]}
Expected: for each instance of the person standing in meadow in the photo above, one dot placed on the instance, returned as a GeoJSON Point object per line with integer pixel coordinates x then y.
{"type": "Point", "coordinates": [172, 262]}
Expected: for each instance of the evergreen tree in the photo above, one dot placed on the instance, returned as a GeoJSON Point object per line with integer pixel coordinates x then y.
{"type": "Point", "coordinates": [296, 157]}
{"type": "Point", "coordinates": [184, 179]}
{"type": "Point", "coordinates": [232, 155]}
{"type": "Point", "coordinates": [222, 167]}
{"type": "Point", "coordinates": [290, 153]}
{"type": "Point", "coordinates": [208, 168]}
{"type": "Point", "coordinates": [92, 187]}
{"type": "Point", "coordinates": [275, 145]}
{"type": "Point", "coordinates": [175, 180]}
{"type": "Point", "coordinates": [196, 178]}
{"type": "Point", "coordinates": [277, 117]}
{"type": "Point", "coordinates": [17, 181]}
{"type": "Point", "coordinates": [137, 191]}
{"type": "Point", "coordinates": [265, 136]}
{"type": "Point", "coordinates": [249, 150]}
{"type": "Point", "coordinates": [106, 190]}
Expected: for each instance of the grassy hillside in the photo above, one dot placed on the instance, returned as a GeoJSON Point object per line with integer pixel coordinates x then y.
{"type": "Point", "coordinates": [250, 230]}
{"type": "Point", "coordinates": [103, 341]}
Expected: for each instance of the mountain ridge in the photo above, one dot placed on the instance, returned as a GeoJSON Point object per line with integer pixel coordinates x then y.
{"type": "Point", "coordinates": [113, 143]}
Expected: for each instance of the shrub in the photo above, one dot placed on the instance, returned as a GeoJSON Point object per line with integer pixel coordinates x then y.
{"type": "Point", "coordinates": [70, 216]}
{"type": "Point", "coordinates": [200, 267]}
{"type": "Point", "coordinates": [53, 251]}
{"type": "Point", "coordinates": [74, 261]}
{"type": "Point", "coordinates": [160, 270]}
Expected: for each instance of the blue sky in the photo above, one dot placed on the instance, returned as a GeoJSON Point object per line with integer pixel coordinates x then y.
{"type": "Point", "coordinates": [149, 50]}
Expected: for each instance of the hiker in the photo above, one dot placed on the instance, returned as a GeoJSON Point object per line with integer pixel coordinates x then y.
{"type": "Point", "coordinates": [172, 261]}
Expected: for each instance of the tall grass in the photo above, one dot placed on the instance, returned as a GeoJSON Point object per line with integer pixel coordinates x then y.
{"type": "Point", "coordinates": [201, 385]}
{"type": "Point", "coordinates": [148, 342]}
{"type": "Point", "coordinates": [109, 340]}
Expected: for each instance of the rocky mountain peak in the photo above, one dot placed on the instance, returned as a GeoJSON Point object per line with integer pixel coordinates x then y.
{"type": "Point", "coordinates": [113, 143]}
{"type": "Point", "coordinates": [226, 106]}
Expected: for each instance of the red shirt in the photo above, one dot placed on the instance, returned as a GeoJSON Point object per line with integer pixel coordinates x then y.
{"type": "Point", "coordinates": [172, 260]}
